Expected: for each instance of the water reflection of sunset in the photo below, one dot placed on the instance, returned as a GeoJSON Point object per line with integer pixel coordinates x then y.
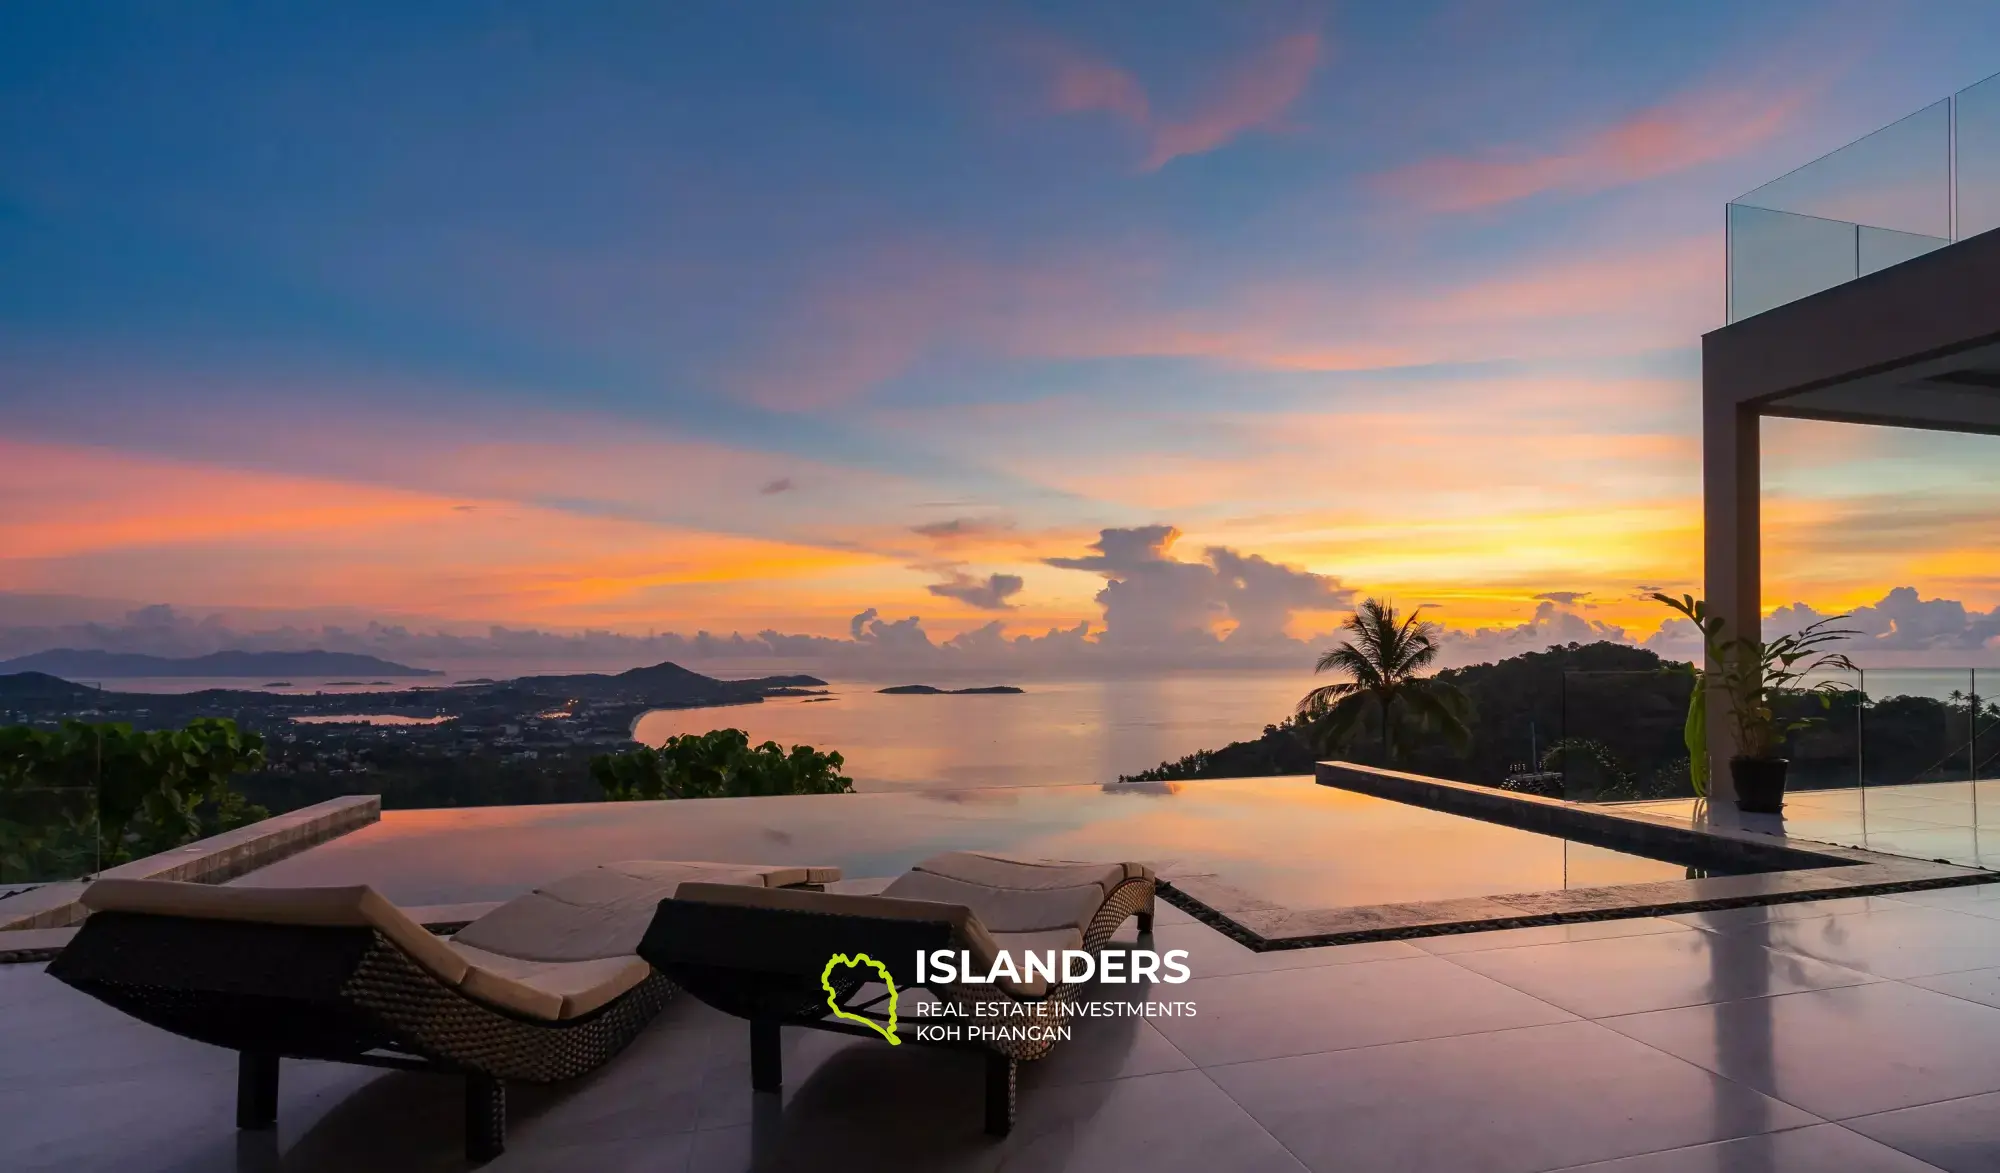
{"type": "Point", "coordinates": [1286, 838]}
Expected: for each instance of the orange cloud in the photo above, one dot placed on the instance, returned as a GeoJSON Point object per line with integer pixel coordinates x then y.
{"type": "Point", "coordinates": [1696, 128]}
{"type": "Point", "coordinates": [63, 501]}
{"type": "Point", "coordinates": [1250, 96]}
{"type": "Point", "coordinates": [92, 521]}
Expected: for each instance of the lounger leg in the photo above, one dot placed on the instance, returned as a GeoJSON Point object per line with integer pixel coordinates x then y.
{"type": "Point", "coordinates": [767, 1061]}
{"type": "Point", "coordinates": [1146, 920]}
{"type": "Point", "coordinates": [256, 1089]}
{"type": "Point", "coordinates": [1000, 1071]}
{"type": "Point", "coordinates": [485, 1117]}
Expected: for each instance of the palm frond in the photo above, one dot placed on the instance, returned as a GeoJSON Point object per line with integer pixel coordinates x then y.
{"type": "Point", "coordinates": [1441, 708]}
{"type": "Point", "coordinates": [1316, 702]}
{"type": "Point", "coordinates": [1335, 726]}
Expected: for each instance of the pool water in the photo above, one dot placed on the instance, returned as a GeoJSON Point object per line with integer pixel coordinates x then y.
{"type": "Point", "coordinates": [1289, 840]}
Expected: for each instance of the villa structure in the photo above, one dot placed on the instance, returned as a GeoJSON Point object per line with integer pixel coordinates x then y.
{"type": "Point", "coordinates": [1863, 288]}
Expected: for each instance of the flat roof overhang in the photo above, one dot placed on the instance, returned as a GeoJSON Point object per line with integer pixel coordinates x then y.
{"type": "Point", "coordinates": [1916, 345]}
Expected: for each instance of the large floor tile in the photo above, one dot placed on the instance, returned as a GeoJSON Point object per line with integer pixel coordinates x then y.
{"type": "Point", "coordinates": [1821, 1148]}
{"type": "Point", "coordinates": [1838, 1053]}
{"type": "Point", "coordinates": [776, 1143]}
{"type": "Point", "coordinates": [1883, 798]}
{"type": "Point", "coordinates": [643, 1155]}
{"type": "Point", "coordinates": [1757, 914]}
{"type": "Point", "coordinates": [1962, 1136]}
{"type": "Point", "coordinates": [1151, 1124]}
{"type": "Point", "coordinates": [1851, 827]}
{"type": "Point", "coordinates": [1625, 975]}
{"type": "Point", "coordinates": [54, 1036]}
{"type": "Point", "coordinates": [652, 1089]}
{"type": "Point", "coordinates": [1100, 1049]}
{"type": "Point", "coordinates": [1325, 1008]}
{"type": "Point", "coordinates": [1211, 954]}
{"type": "Point", "coordinates": [1975, 899]}
{"type": "Point", "coordinates": [1591, 930]}
{"type": "Point", "coordinates": [1501, 1102]}
{"type": "Point", "coordinates": [826, 1072]}
{"type": "Point", "coordinates": [1974, 985]}
{"type": "Point", "coordinates": [330, 1117]}
{"type": "Point", "coordinates": [1909, 941]}
{"type": "Point", "coordinates": [1959, 845]}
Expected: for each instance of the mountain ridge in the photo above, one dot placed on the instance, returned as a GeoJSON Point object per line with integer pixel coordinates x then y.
{"type": "Point", "coordinates": [91, 663]}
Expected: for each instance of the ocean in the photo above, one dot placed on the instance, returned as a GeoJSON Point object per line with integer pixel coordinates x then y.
{"type": "Point", "coordinates": [1052, 734]}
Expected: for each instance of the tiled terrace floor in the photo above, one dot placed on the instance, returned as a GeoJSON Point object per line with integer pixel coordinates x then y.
{"type": "Point", "coordinates": [1854, 1034]}
{"type": "Point", "coordinates": [1954, 821]}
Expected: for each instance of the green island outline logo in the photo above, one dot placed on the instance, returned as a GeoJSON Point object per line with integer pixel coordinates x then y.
{"type": "Point", "coordinates": [833, 999]}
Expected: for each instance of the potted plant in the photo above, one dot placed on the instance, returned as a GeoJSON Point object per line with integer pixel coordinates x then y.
{"type": "Point", "coordinates": [1752, 674]}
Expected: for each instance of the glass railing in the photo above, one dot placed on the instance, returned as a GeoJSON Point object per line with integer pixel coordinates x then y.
{"type": "Point", "coordinates": [46, 834]}
{"type": "Point", "coordinates": [1623, 737]}
{"type": "Point", "coordinates": [1905, 761]}
{"type": "Point", "coordinates": [1911, 187]}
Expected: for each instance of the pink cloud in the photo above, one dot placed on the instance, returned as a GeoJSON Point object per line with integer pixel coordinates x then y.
{"type": "Point", "coordinates": [1251, 96]}
{"type": "Point", "coordinates": [1082, 84]}
{"type": "Point", "coordinates": [1701, 126]}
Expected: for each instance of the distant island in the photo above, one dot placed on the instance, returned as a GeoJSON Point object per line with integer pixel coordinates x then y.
{"type": "Point", "coordinates": [90, 664]}
{"type": "Point", "coordinates": [500, 742]}
{"type": "Point", "coordinates": [933, 690]}
{"type": "Point", "coordinates": [664, 683]}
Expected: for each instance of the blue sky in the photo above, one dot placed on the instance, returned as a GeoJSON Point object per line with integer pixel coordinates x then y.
{"type": "Point", "coordinates": [712, 316]}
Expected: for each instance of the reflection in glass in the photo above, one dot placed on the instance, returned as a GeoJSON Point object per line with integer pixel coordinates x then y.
{"type": "Point", "coordinates": [1978, 142]}
{"type": "Point", "coordinates": [1905, 190]}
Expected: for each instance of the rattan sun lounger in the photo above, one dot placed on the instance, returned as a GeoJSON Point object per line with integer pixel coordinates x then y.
{"type": "Point", "coordinates": [762, 954]}
{"type": "Point", "coordinates": [545, 987]}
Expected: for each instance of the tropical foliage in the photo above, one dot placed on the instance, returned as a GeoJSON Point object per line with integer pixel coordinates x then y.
{"type": "Point", "coordinates": [1752, 674]}
{"type": "Point", "coordinates": [718, 764]}
{"type": "Point", "coordinates": [1384, 661]}
{"type": "Point", "coordinates": [82, 796]}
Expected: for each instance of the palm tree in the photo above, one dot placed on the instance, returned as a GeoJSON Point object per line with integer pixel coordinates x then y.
{"type": "Point", "coordinates": [1383, 662]}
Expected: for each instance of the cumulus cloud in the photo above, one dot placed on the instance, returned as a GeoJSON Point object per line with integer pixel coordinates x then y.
{"type": "Point", "coordinates": [1903, 621]}
{"type": "Point", "coordinates": [1160, 614]}
{"type": "Point", "coordinates": [988, 594]}
{"type": "Point", "coordinates": [1152, 598]}
{"type": "Point", "coordinates": [1556, 621]}
{"type": "Point", "coordinates": [1901, 629]}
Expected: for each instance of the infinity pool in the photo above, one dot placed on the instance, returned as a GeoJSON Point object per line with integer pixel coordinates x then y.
{"type": "Point", "coordinates": [1287, 839]}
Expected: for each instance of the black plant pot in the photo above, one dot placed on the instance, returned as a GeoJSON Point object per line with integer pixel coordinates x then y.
{"type": "Point", "coordinates": [1760, 784]}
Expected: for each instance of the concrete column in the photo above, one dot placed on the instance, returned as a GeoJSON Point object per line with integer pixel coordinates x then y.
{"type": "Point", "coordinates": [1730, 491]}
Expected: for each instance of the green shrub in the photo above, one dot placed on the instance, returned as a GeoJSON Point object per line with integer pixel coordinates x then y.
{"type": "Point", "coordinates": [718, 764]}
{"type": "Point", "coordinates": [82, 797]}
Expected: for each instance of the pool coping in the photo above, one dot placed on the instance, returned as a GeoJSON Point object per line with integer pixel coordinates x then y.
{"type": "Point", "coordinates": [1810, 871]}
{"type": "Point", "coordinates": [207, 861]}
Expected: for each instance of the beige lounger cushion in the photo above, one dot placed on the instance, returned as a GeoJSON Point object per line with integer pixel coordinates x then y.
{"type": "Point", "coordinates": [963, 923]}
{"type": "Point", "coordinates": [357, 906]}
{"type": "Point", "coordinates": [604, 912]}
{"type": "Point", "coordinates": [1017, 895]}
{"type": "Point", "coordinates": [992, 902]}
{"type": "Point", "coordinates": [561, 951]}
{"type": "Point", "coordinates": [547, 989]}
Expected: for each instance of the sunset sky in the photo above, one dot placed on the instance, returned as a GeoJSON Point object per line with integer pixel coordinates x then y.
{"type": "Point", "coordinates": [735, 317]}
